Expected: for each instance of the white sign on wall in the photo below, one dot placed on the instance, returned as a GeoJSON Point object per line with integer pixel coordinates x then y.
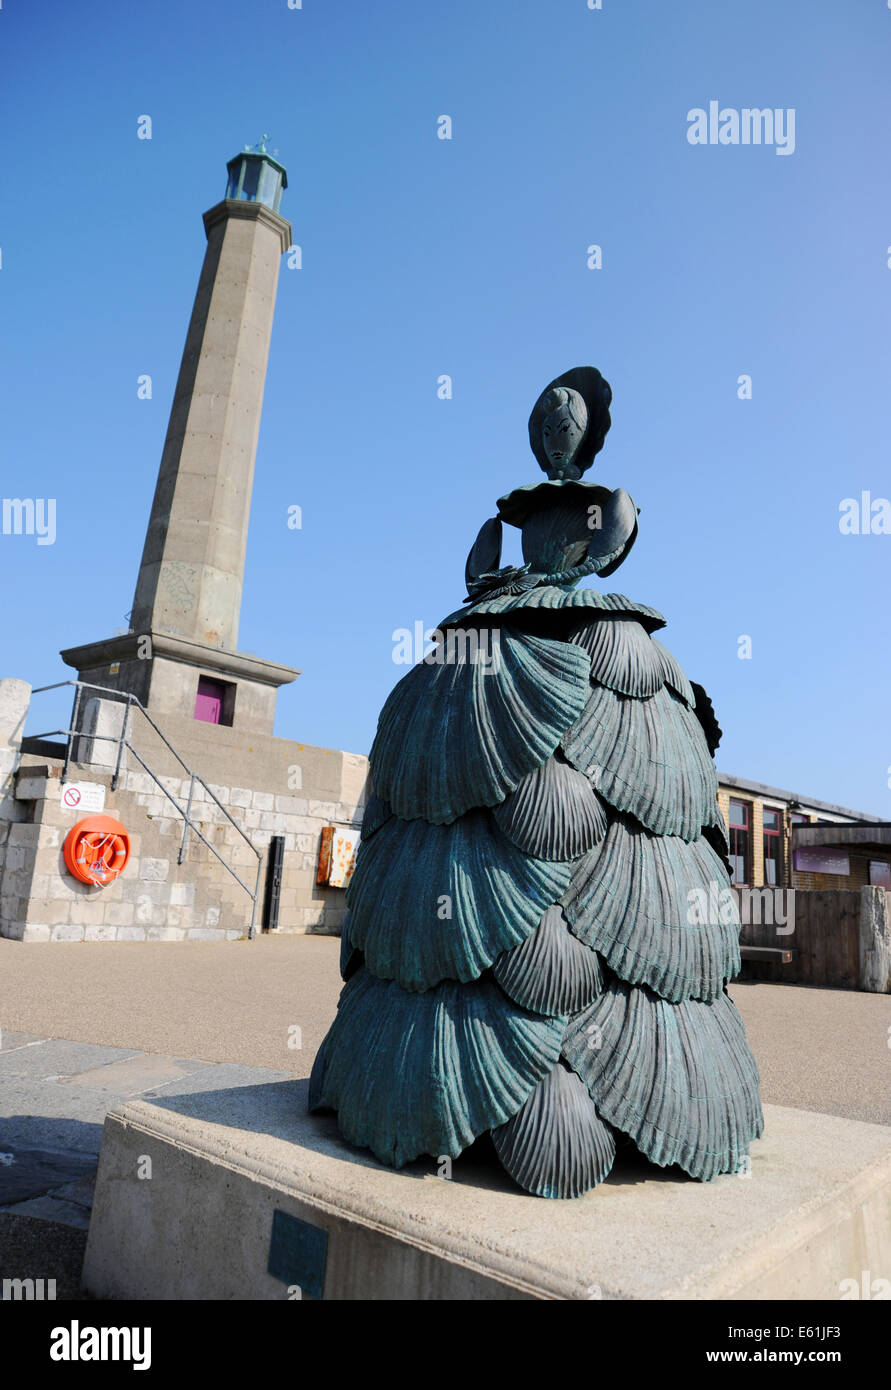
{"type": "Point", "coordinates": [83, 797]}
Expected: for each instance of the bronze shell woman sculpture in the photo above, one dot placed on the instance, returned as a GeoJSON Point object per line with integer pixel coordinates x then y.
{"type": "Point", "coordinates": [540, 930]}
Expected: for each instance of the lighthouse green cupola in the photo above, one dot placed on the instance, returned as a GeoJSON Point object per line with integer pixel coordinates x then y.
{"type": "Point", "coordinates": [255, 177]}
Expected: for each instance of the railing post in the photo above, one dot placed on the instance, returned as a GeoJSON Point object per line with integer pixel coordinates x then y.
{"type": "Point", "coordinates": [72, 733]}
{"type": "Point", "coordinates": [186, 821]}
{"type": "Point", "coordinates": [252, 927]}
{"type": "Point", "coordinates": [121, 739]}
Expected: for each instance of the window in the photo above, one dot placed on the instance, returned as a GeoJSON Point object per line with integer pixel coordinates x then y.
{"type": "Point", "coordinates": [773, 846]}
{"type": "Point", "coordinates": [740, 841]}
{"type": "Point", "coordinates": [880, 873]}
{"type": "Point", "coordinates": [799, 818]}
{"type": "Point", "coordinates": [215, 701]}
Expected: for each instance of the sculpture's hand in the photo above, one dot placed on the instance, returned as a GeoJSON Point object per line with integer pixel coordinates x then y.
{"type": "Point", "coordinates": [511, 579]}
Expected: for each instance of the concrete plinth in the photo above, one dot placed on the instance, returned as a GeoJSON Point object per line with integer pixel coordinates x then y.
{"type": "Point", "coordinates": [243, 1182]}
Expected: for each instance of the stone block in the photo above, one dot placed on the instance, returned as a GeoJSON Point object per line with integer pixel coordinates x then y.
{"type": "Point", "coordinates": [65, 887]}
{"type": "Point", "coordinates": [10, 906]}
{"type": "Point", "coordinates": [273, 822]}
{"type": "Point", "coordinates": [263, 801]}
{"type": "Point", "coordinates": [69, 932]}
{"type": "Point", "coordinates": [141, 782]}
{"type": "Point", "coordinates": [290, 806]}
{"type": "Point", "coordinates": [86, 912]}
{"type": "Point", "coordinates": [131, 934]}
{"type": "Point", "coordinates": [212, 917]}
{"type": "Point", "coordinates": [165, 934]}
{"type": "Point", "coordinates": [154, 870]}
{"type": "Point", "coordinates": [53, 912]}
{"type": "Point", "coordinates": [814, 1213]}
{"type": "Point", "coordinates": [119, 914]}
{"type": "Point", "coordinates": [105, 933]}
{"type": "Point", "coordinates": [240, 796]}
{"type": "Point", "coordinates": [30, 788]}
{"type": "Point", "coordinates": [34, 931]}
{"type": "Point", "coordinates": [24, 833]}
{"type": "Point", "coordinates": [143, 891]}
{"type": "Point", "coordinates": [15, 698]}
{"type": "Point", "coordinates": [204, 934]}
{"type": "Point", "coordinates": [14, 858]}
{"type": "Point", "coordinates": [102, 722]}
{"type": "Point", "coordinates": [50, 861]}
{"type": "Point", "coordinates": [17, 882]}
{"type": "Point", "coordinates": [182, 893]}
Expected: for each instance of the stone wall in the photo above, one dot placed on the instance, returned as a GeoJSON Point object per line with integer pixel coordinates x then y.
{"type": "Point", "coordinates": [156, 898]}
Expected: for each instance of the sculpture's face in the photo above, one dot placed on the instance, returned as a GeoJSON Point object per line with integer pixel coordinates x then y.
{"type": "Point", "coordinates": [562, 432]}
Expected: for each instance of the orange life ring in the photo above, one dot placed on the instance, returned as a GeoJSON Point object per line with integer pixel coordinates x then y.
{"type": "Point", "coordinates": [96, 849]}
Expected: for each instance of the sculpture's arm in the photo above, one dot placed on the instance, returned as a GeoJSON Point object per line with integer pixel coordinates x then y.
{"type": "Point", "coordinates": [614, 534]}
{"type": "Point", "coordinates": [705, 713]}
{"type": "Point", "coordinates": [485, 553]}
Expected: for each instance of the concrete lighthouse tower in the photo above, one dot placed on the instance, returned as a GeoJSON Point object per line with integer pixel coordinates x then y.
{"type": "Point", "coordinates": [181, 653]}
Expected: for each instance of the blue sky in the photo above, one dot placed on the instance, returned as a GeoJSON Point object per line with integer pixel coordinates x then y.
{"type": "Point", "coordinates": [468, 257]}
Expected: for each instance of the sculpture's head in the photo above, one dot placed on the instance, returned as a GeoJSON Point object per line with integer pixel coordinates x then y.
{"type": "Point", "coordinates": [569, 422]}
{"type": "Point", "coordinates": [562, 431]}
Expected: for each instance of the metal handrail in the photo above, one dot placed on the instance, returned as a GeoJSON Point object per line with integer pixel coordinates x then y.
{"type": "Point", "coordinates": [123, 742]}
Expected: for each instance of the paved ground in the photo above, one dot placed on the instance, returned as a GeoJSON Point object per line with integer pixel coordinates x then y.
{"type": "Point", "coordinates": [84, 1026]}
{"type": "Point", "coordinates": [240, 1001]}
{"type": "Point", "coordinates": [54, 1096]}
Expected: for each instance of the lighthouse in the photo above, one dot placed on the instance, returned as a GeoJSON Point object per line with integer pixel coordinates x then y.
{"type": "Point", "coordinates": [181, 654]}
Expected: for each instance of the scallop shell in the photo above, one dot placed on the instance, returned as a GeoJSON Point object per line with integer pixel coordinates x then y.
{"type": "Point", "coordinates": [646, 757]}
{"type": "Point", "coordinates": [623, 656]}
{"type": "Point", "coordinates": [428, 1073]}
{"type": "Point", "coordinates": [659, 910]}
{"type": "Point", "coordinates": [679, 1079]}
{"type": "Point", "coordinates": [556, 1145]}
{"type": "Point", "coordinates": [463, 734]}
{"type": "Point", "coordinates": [441, 902]}
{"type": "Point", "coordinates": [554, 813]}
{"type": "Point", "coordinates": [551, 972]}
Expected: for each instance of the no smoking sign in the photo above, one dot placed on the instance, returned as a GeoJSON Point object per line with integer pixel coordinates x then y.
{"type": "Point", "coordinates": [83, 796]}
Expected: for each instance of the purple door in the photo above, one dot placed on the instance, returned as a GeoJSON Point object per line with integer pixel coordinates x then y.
{"type": "Point", "coordinates": [209, 701]}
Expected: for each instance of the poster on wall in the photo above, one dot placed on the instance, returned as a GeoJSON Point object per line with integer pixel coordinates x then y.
{"type": "Point", "coordinates": [337, 855]}
{"type": "Point", "coordinates": [820, 860]}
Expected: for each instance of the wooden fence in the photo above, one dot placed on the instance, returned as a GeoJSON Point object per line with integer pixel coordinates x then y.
{"type": "Point", "coordinates": [837, 937]}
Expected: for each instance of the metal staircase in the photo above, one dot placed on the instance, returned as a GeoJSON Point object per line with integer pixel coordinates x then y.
{"type": "Point", "coordinates": [123, 742]}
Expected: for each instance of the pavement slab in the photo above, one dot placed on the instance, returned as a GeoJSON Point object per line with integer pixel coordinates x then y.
{"type": "Point", "coordinates": [26, 1173]}
{"type": "Point", "coordinates": [137, 1074]}
{"type": "Point", "coordinates": [8, 1040]}
{"type": "Point", "coordinates": [58, 1058]}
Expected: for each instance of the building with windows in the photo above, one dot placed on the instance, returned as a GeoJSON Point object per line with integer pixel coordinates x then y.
{"type": "Point", "coordinates": [785, 840]}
